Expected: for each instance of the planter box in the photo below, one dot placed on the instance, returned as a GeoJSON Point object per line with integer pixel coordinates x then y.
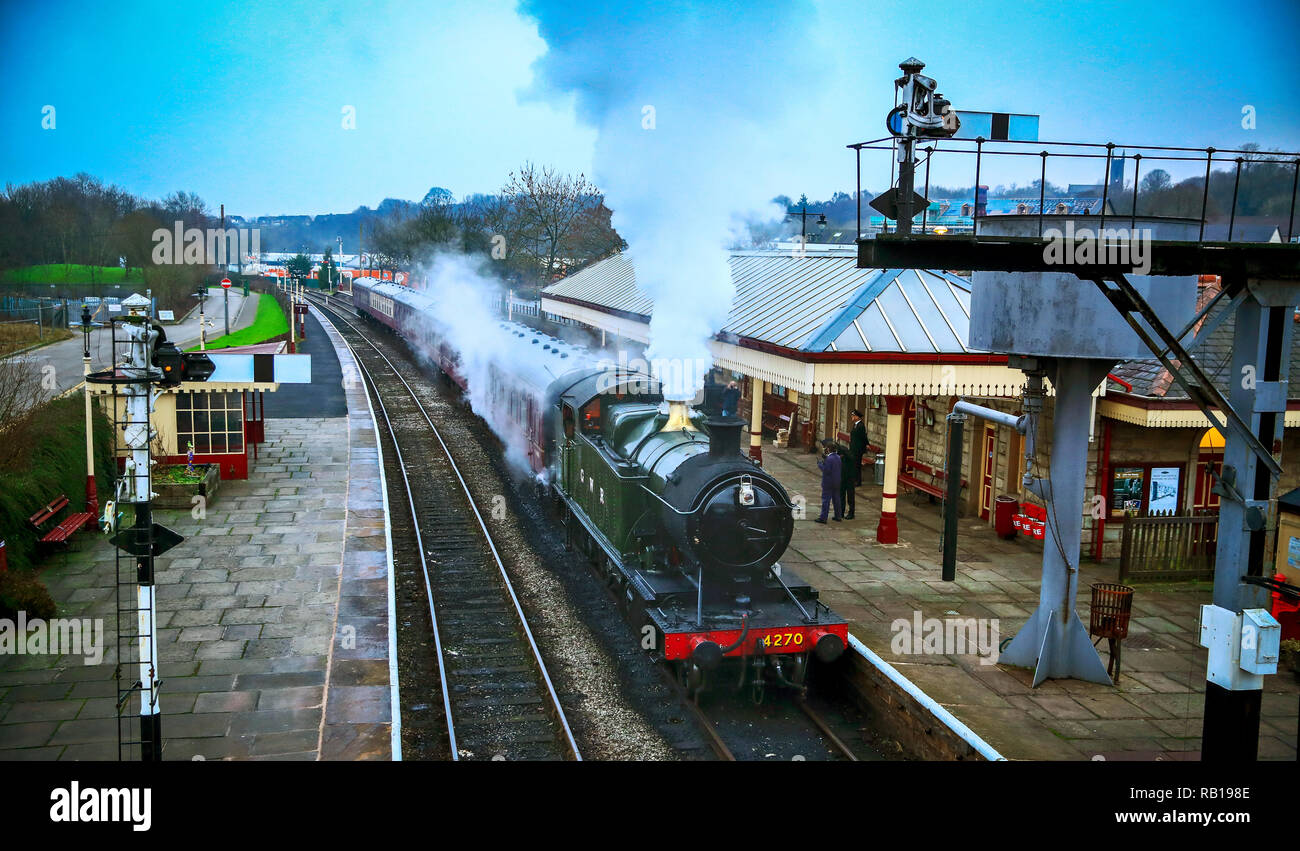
{"type": "Point", "coordinates": [175, 495]}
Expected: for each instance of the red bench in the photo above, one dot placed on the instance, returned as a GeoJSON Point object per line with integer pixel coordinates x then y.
{"type": "Point", "coordinates": [64, 530]}
{"type": "Point", "coordinates": [933, 490]}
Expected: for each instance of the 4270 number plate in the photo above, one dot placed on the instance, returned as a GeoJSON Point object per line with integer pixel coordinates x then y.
{"type": "Point", "coordinates": [788, 640]}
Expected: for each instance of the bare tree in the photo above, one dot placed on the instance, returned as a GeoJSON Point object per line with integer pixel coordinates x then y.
{"type": "Point", "coordinates": [21, 394]}
{"type": "Point", "coordinates": [434, 223]}
{"type": "Point", "coordinates": [548, 205]}
{"type": "Point", "coordinates": [187, 207]}
{"type": "Point", "coordinates": [592, 237]}
{"type": "Point", "coordinates": [1155, 181]}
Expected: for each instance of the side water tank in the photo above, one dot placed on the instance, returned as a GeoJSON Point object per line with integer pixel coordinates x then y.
{"type": "Point", "coordinates": [1059, 314]}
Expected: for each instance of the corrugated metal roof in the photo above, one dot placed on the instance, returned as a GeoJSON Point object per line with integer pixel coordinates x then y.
{"type": "Point", "coordinates": [813, 301]}
{"type": "Point", "coordinates": [610, 283]}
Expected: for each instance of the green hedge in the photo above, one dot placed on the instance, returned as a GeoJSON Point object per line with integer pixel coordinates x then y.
{"type": "Point", "coordinates": [56, 465]}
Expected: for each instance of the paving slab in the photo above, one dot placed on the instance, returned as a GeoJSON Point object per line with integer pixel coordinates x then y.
{"type": "Point", "coordinates": [254, 609]}
{"type": "Point", "coordinates": [1155, 710]}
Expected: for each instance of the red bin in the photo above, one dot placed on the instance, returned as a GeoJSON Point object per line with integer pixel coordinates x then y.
{"type": "Point", "coordinates": [1005, 509]}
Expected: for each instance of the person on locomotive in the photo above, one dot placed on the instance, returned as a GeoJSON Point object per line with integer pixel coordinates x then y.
{"type": "Point", "coordinates": [831, 465]}
{"type": "Point", "coordinates": [730, 399]}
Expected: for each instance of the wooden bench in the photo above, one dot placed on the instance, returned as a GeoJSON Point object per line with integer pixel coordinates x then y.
{"type": "Point", "coordinates": [933, 490]}
{"type": "Point", "coordinates": [913, 483]}
{"type": "Point", "coordinates": [64, 530]}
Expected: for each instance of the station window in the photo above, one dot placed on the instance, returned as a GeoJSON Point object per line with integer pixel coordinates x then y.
{"type": "Point", "coordinates": [214, 421]}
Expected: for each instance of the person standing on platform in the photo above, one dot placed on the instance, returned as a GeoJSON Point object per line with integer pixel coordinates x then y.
{"type": "Point", "coordinates": [730, 399]}
{"type": "Point", "coordinates": [853, 474]}
{"type": "Point", "coordinates": [830, 465]}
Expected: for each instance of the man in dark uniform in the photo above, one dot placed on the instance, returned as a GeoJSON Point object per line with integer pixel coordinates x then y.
{"type": "Point", "coordinates": [730, 400]}
{"type": "Point", "coordinates": [852, 473]}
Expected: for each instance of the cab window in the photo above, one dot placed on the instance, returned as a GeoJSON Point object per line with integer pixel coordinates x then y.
{"type": "Point", "coordinates": [591, 416]}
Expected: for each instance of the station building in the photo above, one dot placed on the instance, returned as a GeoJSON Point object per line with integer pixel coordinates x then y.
{"type": "Point", "coordinates": [811, 336]}
{"type": "Point", "coordinates": [224, 417]}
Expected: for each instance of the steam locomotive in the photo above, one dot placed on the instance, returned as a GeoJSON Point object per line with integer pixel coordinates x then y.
{"type": "Point", "coordinates": [687, 530]}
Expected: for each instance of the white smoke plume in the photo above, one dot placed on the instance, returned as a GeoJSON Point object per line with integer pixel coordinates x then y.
{"type": "Point", "coordinates": [461, 315]}
{"type": "Point", "coordinates": [683, 96]}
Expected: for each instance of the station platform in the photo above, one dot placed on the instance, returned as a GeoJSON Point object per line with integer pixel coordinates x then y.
{"type": "Point", "coordinates": [1155, 711]}
{"type": "Point", "coordinates": [274, 614]}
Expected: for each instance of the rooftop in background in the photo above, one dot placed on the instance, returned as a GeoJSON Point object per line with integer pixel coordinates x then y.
{"type": "Point", "coordinates": [1213, 352]}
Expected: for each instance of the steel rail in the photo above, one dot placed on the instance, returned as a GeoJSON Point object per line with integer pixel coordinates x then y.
{"type": "Point", "coordinates": [820, 723]}
{"type": "Point", "coordinates": [560, 717]}
{"type": "Point", "coordinates": [716, 741]}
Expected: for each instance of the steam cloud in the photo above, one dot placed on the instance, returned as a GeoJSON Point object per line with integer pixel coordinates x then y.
{"type": "Point", "coordinates": [462, 316]}
{"type": "Point", "coordinates": [683, 96]}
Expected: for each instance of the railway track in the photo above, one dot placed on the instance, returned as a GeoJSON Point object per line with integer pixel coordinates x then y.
{"type": "Point", "coordinates": [497, 696]}
{"type": "Point", "coordinates": [732, 728]}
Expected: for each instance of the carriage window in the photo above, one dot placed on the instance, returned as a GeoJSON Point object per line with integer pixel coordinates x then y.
{"type": "Point", "coordinates": [568, 422]}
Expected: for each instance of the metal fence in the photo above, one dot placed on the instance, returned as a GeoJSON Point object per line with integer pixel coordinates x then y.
{"type": "Point", "coordinates": [47, 312]}
{"type": "Point", "coordinates": [984, 154]}
{"type": "Point", "coordinates": [517, 308]}
{"type": "Point", "coordinates": [1167, 547]}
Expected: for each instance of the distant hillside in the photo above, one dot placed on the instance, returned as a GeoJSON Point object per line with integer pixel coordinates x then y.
{"type": "Point", "coordinates": [314, 233]}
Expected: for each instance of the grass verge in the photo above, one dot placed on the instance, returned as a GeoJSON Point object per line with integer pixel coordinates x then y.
{"type": "Point", "coordinates": [269, 323]}
{"type": "Point", "coordinates": [71, 273]}
{"type": "Point", "coordinates": [17, 336]}
{"type": "Point", "coordinates": [53, 462]}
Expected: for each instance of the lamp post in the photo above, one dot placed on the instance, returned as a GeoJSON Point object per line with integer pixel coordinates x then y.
{"type": "Point", "coordinates": [203, 320]}
{"type": "Point", "coordinates": [92, 496]}
{"type": "Point", "coordinates": [803, 219]}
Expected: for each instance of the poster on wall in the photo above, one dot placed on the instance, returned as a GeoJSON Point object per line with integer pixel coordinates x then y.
{"type": "Point", "coordinates": [1293, 552]}
{"type": "Point", "coordinates": [1163, 494]}
{"type": "Point", "coordinates": [1126, 489]}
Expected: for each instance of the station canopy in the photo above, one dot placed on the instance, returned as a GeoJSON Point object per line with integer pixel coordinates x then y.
{"type": "Point", "coordinates": [814, 322]}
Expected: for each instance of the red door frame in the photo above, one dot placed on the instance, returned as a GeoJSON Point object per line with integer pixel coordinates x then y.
{"type": "Point", "coordinates": [986, 471]}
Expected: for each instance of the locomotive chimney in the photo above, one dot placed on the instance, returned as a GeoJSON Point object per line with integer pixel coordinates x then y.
{"type": "Point", "coordinates": [724, 436]}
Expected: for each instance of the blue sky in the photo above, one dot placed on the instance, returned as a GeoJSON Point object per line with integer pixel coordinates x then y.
{"type": "Point", "coordinates": [243, 103]}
